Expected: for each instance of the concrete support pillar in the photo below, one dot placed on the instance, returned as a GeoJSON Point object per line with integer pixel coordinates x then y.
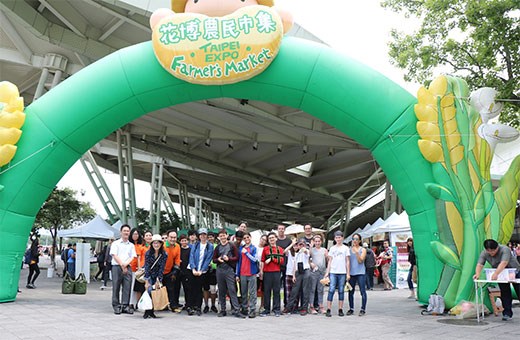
{"type": "Point", "coordinates": [57, 78]}
{"type": "Point", "coordinates": [41, 83]}
{"type": "Point", "coordinates": [52, 63]}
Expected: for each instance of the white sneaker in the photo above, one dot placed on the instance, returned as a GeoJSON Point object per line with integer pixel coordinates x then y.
{"type": "Point", "coordinates": [103, 287]}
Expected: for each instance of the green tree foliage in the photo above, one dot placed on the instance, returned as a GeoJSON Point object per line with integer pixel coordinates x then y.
{"type": "Point", "coordinates": [472, 39]}
{"type": "Point", "coordinates": [62, 210]}
{"type": "Point", "coordinates": [167, 222]}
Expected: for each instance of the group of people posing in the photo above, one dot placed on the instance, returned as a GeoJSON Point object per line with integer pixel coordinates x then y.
{"type": "Point", "coordinates": [203, 262]}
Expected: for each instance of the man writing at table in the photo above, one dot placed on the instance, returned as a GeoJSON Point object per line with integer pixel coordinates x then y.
{"type": "Point", "coordinates": [499, 257]}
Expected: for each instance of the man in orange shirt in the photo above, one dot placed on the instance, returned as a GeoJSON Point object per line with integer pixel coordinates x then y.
{"type": "Point", "coordinates": [173, 263]}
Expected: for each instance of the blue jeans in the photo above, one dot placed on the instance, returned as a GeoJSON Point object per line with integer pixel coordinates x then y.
{"type": "Point", "coordinates": [337, 280]}
{"type": "Point", "coordinates": [71, 268]}
{"type": "Point", "coordinates": [360, 281]}
{"type": "Point", "coordinates": [409, 279]}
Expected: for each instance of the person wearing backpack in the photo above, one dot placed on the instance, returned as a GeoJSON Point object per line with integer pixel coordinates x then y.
{"type": "Point", "coordinates": [63, 256]}
{"type": "Point", "coordinates": [101, 264]}
{"type": "Point", "coordinates": [370, 265]}
{"type": "Point", "coordinates": [71, 261]}
{"type": "Point", "coordinates": [108, 265]}
{"type": "Point", "coordinates": [33, 259]}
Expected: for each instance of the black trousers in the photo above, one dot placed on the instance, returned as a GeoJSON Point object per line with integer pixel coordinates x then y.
{"type": "Point", "coordinates": [507, 297]}
{"type": "Point", "coordinates": [182, 280]}
{"type": "Point", "coordinates": [169, 283]}
{"type": "Point", "coordinates": [106, 273]}
{"type": "Point", "coordinates": [272, 286]}
{"type": "Point", "coordinates": [101, 269]}
{"type": "Point", "coordinates": [33, 270]}
{"type": "Point", "coordinates": [370, 277]}
{"type": "Point", "coordinates": [194, 293]}
{"type": "Point", "coordinates": [285, 294]}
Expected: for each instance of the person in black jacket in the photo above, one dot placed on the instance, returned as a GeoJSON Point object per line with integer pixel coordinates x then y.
{"type": "Point", "coordinates": [182, 278]}
{"type": "Point", "coordinates": [370, 265]}
{"type": "Point", "coordinates": [34, 270]}
{"type": "Point", "coordinates": [100, 257]}
{"type": "Point", "coordinates": [413, 263]}
{"type": "Point", "coordinates": [225, 256]}
{"type": "Point", "coordinates": [108, 265]}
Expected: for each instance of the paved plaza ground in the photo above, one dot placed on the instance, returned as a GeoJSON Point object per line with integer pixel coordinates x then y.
{"type": "Point", "coordinates": [44, 313]}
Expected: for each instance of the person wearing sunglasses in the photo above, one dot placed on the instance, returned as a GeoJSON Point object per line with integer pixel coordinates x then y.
{"type": "Point", "coordinates": [357, 274]}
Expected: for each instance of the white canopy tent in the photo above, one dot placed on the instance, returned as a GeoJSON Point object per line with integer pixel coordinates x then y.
{"type": "Point", "coordinates": [394, 224]}
{"type": "Point", "coordinates": [295, 229]}
{"type": "Point", "coordinates": [97, 228]}
{"type": "Point", "coordinates": [117, 225]}
{"type": "Point", "coordinates": [368, 230]}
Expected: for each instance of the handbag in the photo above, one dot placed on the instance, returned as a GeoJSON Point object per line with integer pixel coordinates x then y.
{"type": "Point", "coordinates": [160, 297]}
{"type": "Point", "coordinates": [80, 285]}
{"type": "Point", "coordinates": [414, 274]}
{"type": "Point", "coordinates": [67, 286]}
{"type": "Point", "coordinates": [325, 281]}
{"type": "Point", "coordinates": [145, 302]}
{"type": "Point", "coordinates": [376, 272]}
{"type": "Point", "coordinates": [139, 275]}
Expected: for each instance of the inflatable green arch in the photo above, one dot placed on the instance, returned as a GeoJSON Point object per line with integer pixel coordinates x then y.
{"type": "Point", "coordinates": [67, 121]}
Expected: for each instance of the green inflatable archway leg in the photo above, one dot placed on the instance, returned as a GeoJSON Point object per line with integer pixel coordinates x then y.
{"type": "Point", "coordinates": [85, 108]}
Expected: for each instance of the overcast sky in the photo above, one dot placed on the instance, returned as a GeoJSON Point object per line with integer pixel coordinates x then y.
{"type": "Point", "coordinates": [358, 29]}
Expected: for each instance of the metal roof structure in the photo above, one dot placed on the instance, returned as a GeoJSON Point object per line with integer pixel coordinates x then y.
{"type": "Point", "coordinates": [248, 160]}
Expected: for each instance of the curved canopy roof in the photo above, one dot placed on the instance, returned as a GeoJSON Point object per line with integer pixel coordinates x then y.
{"type": "Point", "coordinates": [248, 160]}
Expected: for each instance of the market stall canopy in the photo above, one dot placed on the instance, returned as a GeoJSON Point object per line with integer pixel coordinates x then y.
{"type": "Point", "coordinates": [349, 238]}
{"type": "Point", "coordinates": [96, 228]}
{"type": "Point", "coordinates": [394, 223]}
{"type": "Point", "coordinates": [369, 228]}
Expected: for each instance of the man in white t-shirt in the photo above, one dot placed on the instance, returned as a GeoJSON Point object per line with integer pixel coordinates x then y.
{"type": "Point", "coordinates": [338, 271]}
{"type": "Point", "coordinates": [122, 251]}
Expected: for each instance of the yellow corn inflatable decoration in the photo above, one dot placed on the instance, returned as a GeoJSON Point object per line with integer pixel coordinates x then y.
{"type": "Point", "coordinates": [468, 211]}
{"type": "Point", "coordinates": [11, 120]}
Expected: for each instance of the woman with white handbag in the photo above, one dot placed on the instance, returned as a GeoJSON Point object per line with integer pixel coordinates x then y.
{"type": "Point", "coordinates": [155, 259]}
